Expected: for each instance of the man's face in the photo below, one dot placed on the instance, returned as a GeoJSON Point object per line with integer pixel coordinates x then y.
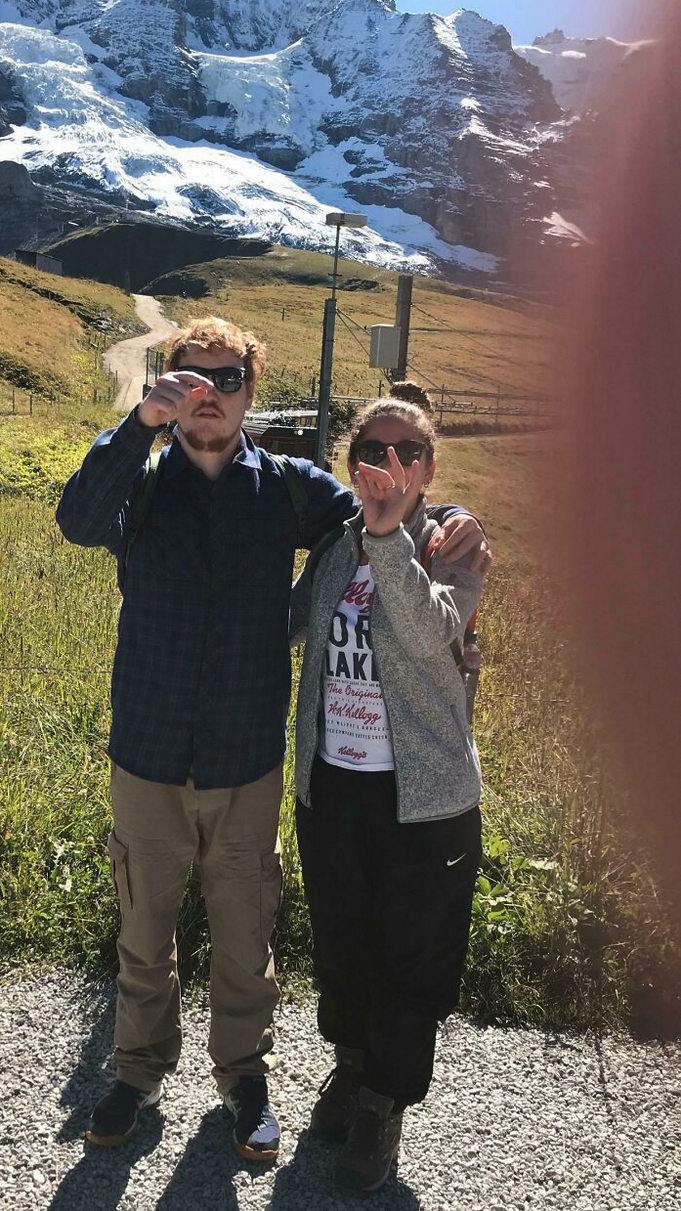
{"type": "Point", "coordinates": [211, 418]}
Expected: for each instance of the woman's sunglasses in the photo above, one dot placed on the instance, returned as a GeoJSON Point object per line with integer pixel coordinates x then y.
{"type": "Point", "coordinates": [374, 452]}
{"type": "Point", "coordinates": [226, 378]}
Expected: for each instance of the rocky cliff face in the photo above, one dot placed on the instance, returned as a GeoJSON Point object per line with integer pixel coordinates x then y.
{"type": "Point", "coordinates": [259, 115]}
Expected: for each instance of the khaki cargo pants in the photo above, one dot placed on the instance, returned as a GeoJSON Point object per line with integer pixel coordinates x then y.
{"type": "Point", "coordinates": [231, 837]}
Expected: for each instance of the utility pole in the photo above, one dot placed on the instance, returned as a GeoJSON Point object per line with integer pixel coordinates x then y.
{"type": "Point", "coordinates": [336, 219]}
{"type": "Point", "coordinates": [325, 372]}
{"type": "Point", "coordinates": [405, 283]}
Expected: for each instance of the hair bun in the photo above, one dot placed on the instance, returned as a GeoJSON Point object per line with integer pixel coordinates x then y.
{"type": "Point", "coordinates": [412, 394]}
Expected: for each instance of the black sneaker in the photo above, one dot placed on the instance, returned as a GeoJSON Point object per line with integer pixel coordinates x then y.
{"type": "Point", "coordinates": [114, 1118]}
{"type": "Point", "coordinates": [336, 1106]}
{"type": "Point", "coordinates": [256, 1130]}
{"type": "Point", "coordinates": [373, 1144]}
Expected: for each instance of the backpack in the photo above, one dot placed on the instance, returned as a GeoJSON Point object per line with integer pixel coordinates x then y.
{"type": "Point", "coordinates": [294, 486]}
{"type": "Point", "coordinates": [140, 504]}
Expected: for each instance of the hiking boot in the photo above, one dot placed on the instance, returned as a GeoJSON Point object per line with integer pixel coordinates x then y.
{"type": "Point", "coordinates": [372, 1146]}
{"type": "Point", "coordinates": [256, 1130]}
{"type": "Point", "coordinates": [114, 1118]}
{"type": "Point", "coordinates": [336, 1106]}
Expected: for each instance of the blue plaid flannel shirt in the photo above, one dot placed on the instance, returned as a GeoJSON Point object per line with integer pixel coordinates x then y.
{"type": "Point", "coordinates": [202, 674]}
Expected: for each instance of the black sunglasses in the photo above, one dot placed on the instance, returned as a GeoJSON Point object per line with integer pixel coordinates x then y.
{"type": "Point", "coordinates": [226, 378]}
{"type": "Point", "coordinates": [374, 452]}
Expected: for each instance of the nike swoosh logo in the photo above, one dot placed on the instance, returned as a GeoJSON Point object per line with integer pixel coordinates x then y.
{"type": "Point", "coordinates": [454, 861]}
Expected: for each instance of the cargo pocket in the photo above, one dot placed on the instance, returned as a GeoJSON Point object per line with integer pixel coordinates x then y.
{"type": "Point", "coordinates": [118, 854]}
{"type": "Point", "coordinates": [270, 894]}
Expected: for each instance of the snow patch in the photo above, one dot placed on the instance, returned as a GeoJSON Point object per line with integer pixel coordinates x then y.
{"type": "Point", "coordinates": [279, 93]}
{"type": "Point", "coordinates": [558, 227]}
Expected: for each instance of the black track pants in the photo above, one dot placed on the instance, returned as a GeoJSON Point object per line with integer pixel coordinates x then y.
{"type": "Point", "coordinates": [390, 908]}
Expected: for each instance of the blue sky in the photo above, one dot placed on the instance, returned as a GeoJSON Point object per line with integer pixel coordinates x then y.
{"type": "Point", "coordinates": [525, 19]}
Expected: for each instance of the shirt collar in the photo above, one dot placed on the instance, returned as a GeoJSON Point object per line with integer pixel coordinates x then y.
{"type": "Point", "coordinates": [246, 455]}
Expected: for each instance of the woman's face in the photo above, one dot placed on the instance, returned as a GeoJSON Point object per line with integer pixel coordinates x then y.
{"type": "Point", "coordinates": [390, 430]}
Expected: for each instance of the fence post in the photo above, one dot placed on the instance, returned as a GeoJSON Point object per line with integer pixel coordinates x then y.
{"type": "Point", "coordinates": [30, 405]}
{"type": "Point", "coordinates": [14, 407]}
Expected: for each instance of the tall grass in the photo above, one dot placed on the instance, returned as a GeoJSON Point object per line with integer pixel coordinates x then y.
{"type": "Point", "coordinates": [565, 923]}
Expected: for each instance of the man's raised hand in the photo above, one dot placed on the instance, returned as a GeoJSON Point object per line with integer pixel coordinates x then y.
{"type": "Point", "coordinates": [169, 394]}
{"type": "Point", "coordinates": [463, 535]}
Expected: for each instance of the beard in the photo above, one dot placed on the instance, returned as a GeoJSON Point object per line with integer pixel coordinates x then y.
{"type": "Point", "coordinates": [210, 445]}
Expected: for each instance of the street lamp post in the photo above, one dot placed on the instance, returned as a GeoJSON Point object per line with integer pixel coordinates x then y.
{"type": "Point", "coordinates": [336, 219]}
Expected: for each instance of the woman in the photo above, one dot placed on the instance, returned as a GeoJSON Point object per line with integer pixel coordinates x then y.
{"type": "Point", "coordinates": [388, 783]}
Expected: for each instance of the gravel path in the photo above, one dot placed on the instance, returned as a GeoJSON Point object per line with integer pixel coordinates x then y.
{"type": "Point", "coordinates": [127, 359]}
{"type": "Point", "coordinates": [515, 1121]}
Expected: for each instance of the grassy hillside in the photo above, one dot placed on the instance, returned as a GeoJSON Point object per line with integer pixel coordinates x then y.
{"type": "Point", "coordinates": [53, 391]}
{"type": "Point", "coordinates": [484, 340]}
{"type": "Point", "coordinates": [130, 254]}
{"type": "Point", "coordinates": [476, 340]}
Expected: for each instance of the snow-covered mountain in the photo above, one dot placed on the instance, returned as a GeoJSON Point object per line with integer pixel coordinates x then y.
{"type": "Point", "coordinates": [581, 71]}
{"type": "Point", "coordinates": [257, 117]}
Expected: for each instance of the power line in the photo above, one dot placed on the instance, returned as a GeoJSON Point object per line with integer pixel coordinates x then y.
{"type": "Point", "coordinates": [344, 316]}
{"type": "Point", "coordinates": [476, 332]}
{"type": "Point", "coordinates": [415, 307]}
{"type": "Point", "coordinates": [410, 365]}
{"type": "Point", "coordinates": [344, 320]}
{"type": "Point", "coordinates": [354, 336]}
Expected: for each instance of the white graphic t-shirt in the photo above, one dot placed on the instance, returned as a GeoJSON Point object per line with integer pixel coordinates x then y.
{"type": "Point", "coordinates": [355, 731]}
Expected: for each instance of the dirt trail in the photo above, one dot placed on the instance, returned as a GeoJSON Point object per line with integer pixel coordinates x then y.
{"type": "Point", "coordinates": [127, 359]}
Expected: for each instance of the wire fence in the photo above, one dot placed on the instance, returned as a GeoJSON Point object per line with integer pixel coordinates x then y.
{"type": "Point", "coordinates": [491, 404]}
{"type": "Point", "coordinates": [16, 401]}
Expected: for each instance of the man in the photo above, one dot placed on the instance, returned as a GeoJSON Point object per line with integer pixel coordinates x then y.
{"type": "Point", "coordinates": [200, 694]}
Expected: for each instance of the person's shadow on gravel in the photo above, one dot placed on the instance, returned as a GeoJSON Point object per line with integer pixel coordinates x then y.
{"type": "Point", "coordinates": [205, 1175]}
{"type": "Point", "coordinates": [307, 1181]}
{"type": "Point", "coordinates": [102, 1174]}
{"type": "Point", "coordinates": [86, 1083]}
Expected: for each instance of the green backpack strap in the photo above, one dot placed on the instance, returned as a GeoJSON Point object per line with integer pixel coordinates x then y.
{"type": "Point", "coordinates": [295, 487]}
{"type": "Point", "coordinates": [141, 502]}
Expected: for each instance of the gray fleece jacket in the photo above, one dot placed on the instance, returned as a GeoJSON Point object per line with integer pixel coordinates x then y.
{"type": "Point", "coordinates": [412, 624]}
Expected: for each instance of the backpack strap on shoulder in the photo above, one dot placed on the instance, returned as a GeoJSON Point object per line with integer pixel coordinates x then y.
{"type": "Point", "coordinates": [141, 502]}
{"type": "Point", "coordinates": [295, 488]}
{"type": "Point", "coordinates": [325, 543]}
